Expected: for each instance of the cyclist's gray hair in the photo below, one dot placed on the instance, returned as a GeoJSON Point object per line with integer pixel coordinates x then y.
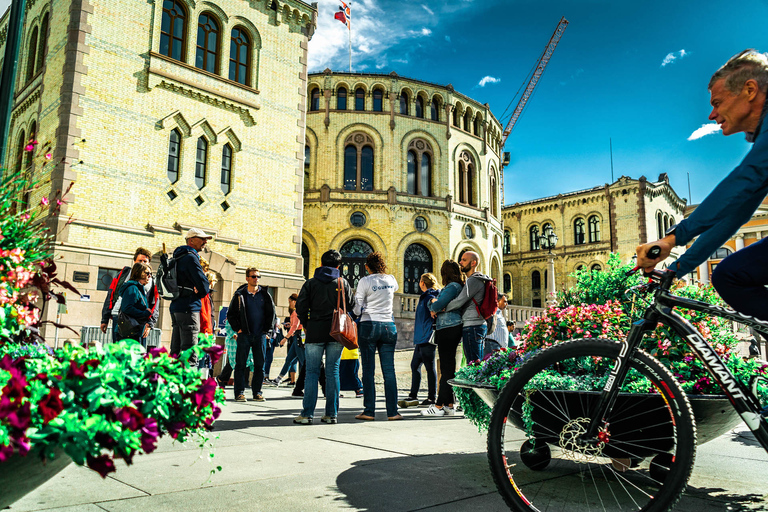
{"type": "Point", "coordinates": [747, 65]}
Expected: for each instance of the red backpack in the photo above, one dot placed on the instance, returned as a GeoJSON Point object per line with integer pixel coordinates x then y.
{"type": "Point", "coordinates": [487, 308]}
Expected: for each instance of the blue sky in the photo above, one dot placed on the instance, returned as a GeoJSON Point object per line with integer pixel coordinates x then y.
{"type": "Point", "coordinates": [633, 72]}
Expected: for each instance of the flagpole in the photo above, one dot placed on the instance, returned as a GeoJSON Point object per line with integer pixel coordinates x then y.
{"type": "Point", "coordinates": [350, 39]}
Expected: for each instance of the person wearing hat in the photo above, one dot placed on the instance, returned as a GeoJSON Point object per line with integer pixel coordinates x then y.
{"type": "Point", "coordinates": [185, 311]}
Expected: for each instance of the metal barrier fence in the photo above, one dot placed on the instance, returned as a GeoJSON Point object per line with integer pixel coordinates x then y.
{"type": "Point", "coordinates": [90, 333]}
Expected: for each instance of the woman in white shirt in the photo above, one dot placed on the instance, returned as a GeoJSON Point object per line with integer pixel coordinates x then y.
{"type": "Point", "coordinates": [374, 298]}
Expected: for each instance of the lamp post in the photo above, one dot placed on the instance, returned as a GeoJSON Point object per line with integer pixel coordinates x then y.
{"type": "Point", "coordinates": [548, 241]}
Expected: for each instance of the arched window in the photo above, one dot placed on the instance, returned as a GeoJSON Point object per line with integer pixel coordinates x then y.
{"type": "Point", "coordinates": [494, 198]}
{"type": "Point", "coordinates": [578, 231]}
{"type": "Point", "coordinates": [31, 137]}
{"type": "Point", "coordinates": [536, 280]}
{"type": "Point", "coordinates": [174, 152]}
{"type": "Point", "coordinates": [721, 253]}
{"type": "Point", "coordinates": [419, 106]}
{"type": "Point", "coordinates": [579, 268]}
{"type": "Point", "coordinates": [378, 100]}
{"type": "Point", "coordinates": [305, 257]}
{"type": "Point", "coordinates": [307, 157]}
{"type": "Point", "coordinates": [358, 162]}
{"type": "Point", "coordinates": [353, 256]}
{"type": "Point", "coordinates": [434, 109]}
{"type": "Point", "coordinates": [226, 169]}
{"type": "Point", "coordinates": [467, 176]}
{"type": "Point", "coordinates": [666, 223]}
{"type": "Point", "coordinates": [314, 101]}
{"type": "Point", "coordinates": [659, 226]}
{"type": "Point", "coordinates": [240, 57]}
{"type": "Point", "coordinates": [341, 98]}
{"type": "Point", "coordinates": [207, 56]}
{"type": "Point", "coordinates": [467, 121]}
{"type": "Point", "coordinates": [32, 55]}
{"type": "Point", "coordinates": [507, 247]}
{"type": "Point", "coordinates": [534, 232]}
{"type": "Point", "coordinates": [507, 283]}
{"type": "Point", "coordinates": [20, 151]}
{"type": "Point", "coordinates": [42, 47]}
{"type": "Point", "coordinates": [359, 99]}
{"type": "Point", "coordinates": [201, 162]}
{"type": "Point", "coordinates": [404, 101]}
{"type": "Point", "coordinates": [173, 31]}
{"type": "Point", "coordinates": [597, 267]}
{"type": "Point", "coordinates": [476, 128]}
{"type": "Point", "coordinates": [455, 116]}
{"type": "Point", "coordinates": [418, 261]}
{"type": "Point", "coordinates": [594, 229]}
{"type": "Point", "coordinates": [420, 170]}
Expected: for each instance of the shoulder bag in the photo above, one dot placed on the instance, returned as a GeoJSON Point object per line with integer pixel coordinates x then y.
{"type": "Point", "coordinates": [343, 328]}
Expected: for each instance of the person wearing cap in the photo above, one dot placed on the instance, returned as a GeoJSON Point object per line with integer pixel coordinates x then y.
{"type": "Point", "coordinates": [185, 310]}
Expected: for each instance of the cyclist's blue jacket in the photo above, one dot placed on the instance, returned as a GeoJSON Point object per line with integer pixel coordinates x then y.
{"type": "Point", "coordinates": [729, 206]}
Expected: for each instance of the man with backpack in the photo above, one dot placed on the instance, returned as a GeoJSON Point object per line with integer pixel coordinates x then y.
{"type": "Point", "coordinates": [111, 306]}
{"type": "Point", "coordinates": [193, 286]}
{"type": "Point", "coordinates": [475, 308]}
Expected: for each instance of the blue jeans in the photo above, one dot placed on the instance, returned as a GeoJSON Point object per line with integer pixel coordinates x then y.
{"type": "Point", "coordinates": [473, 339]}
{"type": "Point", "coordinates": [382, 336]}
{"type": "Point", "coordinates": [314, 357]}
{"type": "Point", "coordinates": [295, 353]}
{"type": "Point", "coordinates": [269, 354]}
{"type": "Point", "coordinates": [257, 345]}
{"type": "Point", "coordinates": [740, 279]}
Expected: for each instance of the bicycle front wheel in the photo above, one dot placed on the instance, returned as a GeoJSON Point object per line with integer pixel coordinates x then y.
{"type": "Point", "coordinates": [640, 460]}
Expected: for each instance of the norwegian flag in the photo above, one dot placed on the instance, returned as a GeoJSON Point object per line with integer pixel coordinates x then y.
{"type": "Point", "coordinates": [344, 15]}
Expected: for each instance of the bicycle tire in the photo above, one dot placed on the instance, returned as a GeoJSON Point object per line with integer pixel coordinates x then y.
{"type": "Point", "coordinates": [645, 464]}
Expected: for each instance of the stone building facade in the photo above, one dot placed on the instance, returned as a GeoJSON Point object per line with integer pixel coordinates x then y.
{"type": "Point", "coordinates": [590, 225]}
{"type": "Point", "coordinates": [404, 167]}
{"type": "Point", "coordinates": [166, 115]}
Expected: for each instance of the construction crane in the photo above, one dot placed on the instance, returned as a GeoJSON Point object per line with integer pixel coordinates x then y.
{"type": "Point", "coordinates": [543, 61]}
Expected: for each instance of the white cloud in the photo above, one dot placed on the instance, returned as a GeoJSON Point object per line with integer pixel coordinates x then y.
{"type": "Point", "coordinates": [426, 32]}
{"type": "Point", "coordinates": [448, 38]}
{"type": "Point", "coordinates": [488, 80]}
{"type": "Point", "coordinates": [673, 56]}
{"type": "Point", "coordinates": [706, 129]}
{"type": "Point", "coordinates": [430, 11]}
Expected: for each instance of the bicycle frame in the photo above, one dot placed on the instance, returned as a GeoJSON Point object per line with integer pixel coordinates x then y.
{"type": "Point", "coordinates": [660, 311]}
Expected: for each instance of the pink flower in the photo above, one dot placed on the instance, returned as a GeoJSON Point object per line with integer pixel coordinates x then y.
{"type": "Point", "coordinates": [48, 156]}
{"type": "Point", "coordinates": [44, 201]}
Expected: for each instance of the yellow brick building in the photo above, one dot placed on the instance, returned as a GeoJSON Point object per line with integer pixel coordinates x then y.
{"type": "Point", "coordinates": [401, 166]}
{"type": "Point", "coordinates": [167, 115]}
{"type": "Point", "coordinates": [590, 225]}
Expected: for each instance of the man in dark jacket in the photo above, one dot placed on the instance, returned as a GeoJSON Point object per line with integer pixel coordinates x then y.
{"type": "Point", "coordinates": [314, 307]}
{"type": "Point", "coordinates": [111, 306]}
{"type": "Point", "coordinates": [251, 315]}
{"type": "Point", "coordinates": [185, 311]}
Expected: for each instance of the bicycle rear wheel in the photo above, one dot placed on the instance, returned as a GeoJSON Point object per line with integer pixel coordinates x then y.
{"type": "Point", "coordinates": [641, 460]}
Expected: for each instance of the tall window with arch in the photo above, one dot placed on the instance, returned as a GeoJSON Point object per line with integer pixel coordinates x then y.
{"type": "Point", "coordinates": [455, 113]}
{"type": "Point", "coordinates": [353, 257]}
{"type": "Point", "coordinates": [494, 195]}
{"type": "Point", "coordinates": [578, 231]}
{"type": "Point", "coordinates": [467, 121]}
{"type": "Point", "coordinates": [536, 280]}
{"type": "Point", "coordinates": [173, 31]}
{"type": "Point", "coordinates": [20, 151]}
{"type": "Point", "coordinates": [594, 228]}
{"type": "Point", "coordinates": [240, 57]}
{"type": "Point", "coordinates": [534, 236]}
{"type": "Point", "coordinates": [314, 100]}
{"type": "Point", "coordinates": [417, 261]}
{"type": "Point", "coordinates": [467, 177]}
{"type": "Point", "coordinates": [31, 55]}
{"type": "Point", "coordinates": [434, 109]}
{"type": "Point", "coordinates": [419, 107]}
{"type": "Point", "coordinates": [378, 100]}
{"type": "Point", "coordinates": [660, 225]}
{"type": "Point", "coordinates": [42, 46]}
{"type": "Point", "coordinates": [226, 169]}
{"type": "Point", "coordinates": [507, 283]}
{"type": "Point", "coordinates": [358, 162]}
{"type": "Point", "coordinates": [360, 99]}
{"type": "Point", "coordinates": [207, 55]}
{"type": "Point", "coordinates": [477, 124]}
{"type": "Point", "coordinates": [174, 152]}
{"type": "Point", "coordinates": [201, 162]}
{"type": "Point", "coordinates": [30, 154]}
{"type": "Point", "coordinates": [305, 257]}
{"type": "Point", "coordinates": [404, 101]}
{"type": "Point", "coordinates": [507, 247]}
{"type": "Point", "coordinates": [420, 168]}
{"type": "Point", "coordinates": [341, 98]}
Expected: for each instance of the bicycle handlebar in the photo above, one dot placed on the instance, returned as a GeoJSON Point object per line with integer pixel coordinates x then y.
{"type": "Point", "coordinates": [664, 277]}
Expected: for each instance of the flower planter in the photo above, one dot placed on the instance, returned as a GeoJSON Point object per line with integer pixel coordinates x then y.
{"type": "Point", "coordinates": [714, 414]}
{"type": "Point", "coordinates": [22, 475]}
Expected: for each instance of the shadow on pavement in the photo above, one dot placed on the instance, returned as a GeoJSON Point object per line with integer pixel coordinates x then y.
{"type": "Point", "coordinates": [421, 482]}
{"type": "Point", "coordinates": [717, 499]}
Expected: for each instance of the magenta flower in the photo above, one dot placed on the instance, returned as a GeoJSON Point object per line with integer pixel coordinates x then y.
{"type": "Point", "coordinates": [215, 351]}
{"type": "Point", "coordinates": [131, 418]}
{"type": "Point", "coordinates": [50, 405]}
{"type": "Point", "coordinates": [149, 435]}
{"type": "Point", "coordinates": [102, 464]}
{"type": "Point", "coordinates": [6, 451]}
{"type": "Point", "coordinates": [20, 418]}
{"type": "Point", "coordinates": [205, 394]}
{"type": "Point", "coordinates": [44, 201]}
{"type": "Point", "coordinates": [48, 156]}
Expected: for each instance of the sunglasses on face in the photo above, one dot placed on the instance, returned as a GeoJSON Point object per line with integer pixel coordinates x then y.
{"type": "Point", "coordinates": [253, 277]}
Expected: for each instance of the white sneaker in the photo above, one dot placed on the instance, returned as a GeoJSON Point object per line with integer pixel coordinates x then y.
{"type": "Point", "coordinates": [436, 411]}
{"type": "Point", "coordinates": [449, 411]}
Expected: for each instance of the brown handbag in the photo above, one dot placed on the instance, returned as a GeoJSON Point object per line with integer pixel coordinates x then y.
{"type": "Point", "coordinates": [343, 328]}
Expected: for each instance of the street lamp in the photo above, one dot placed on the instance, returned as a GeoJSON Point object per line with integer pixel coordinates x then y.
{"type": "Point", "coordinates": [548, 241]}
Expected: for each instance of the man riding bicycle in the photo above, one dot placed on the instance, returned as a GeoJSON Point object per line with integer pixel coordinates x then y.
{"type": "Point", "coordinates": [738, 97]}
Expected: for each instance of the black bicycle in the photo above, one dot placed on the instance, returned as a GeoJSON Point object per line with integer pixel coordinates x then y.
{"type": "Point", "coordinates": [567, 435]}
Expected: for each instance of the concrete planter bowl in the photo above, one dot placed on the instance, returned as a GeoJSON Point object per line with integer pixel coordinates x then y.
{"type": "Point", "coordinates": [714, 414]}
{"type": "Point", "coordinates": [22, 475]}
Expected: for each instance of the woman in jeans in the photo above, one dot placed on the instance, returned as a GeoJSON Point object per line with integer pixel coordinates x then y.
{"type": "Point", "coordinates": [374, 298]}
{"type": "Point", "coordinates": [447, 336]}
{"type": "Point", "coordinates": [295, 346]}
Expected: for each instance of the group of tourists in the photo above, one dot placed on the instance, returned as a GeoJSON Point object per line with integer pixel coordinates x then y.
{"type": "Point", "coordinates": [447, 315]}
